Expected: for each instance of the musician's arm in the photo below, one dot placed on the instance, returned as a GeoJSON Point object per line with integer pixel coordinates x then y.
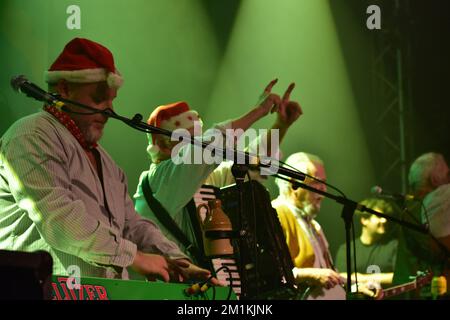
{"type": "Point", "coordinates": [327, 278]}
{"type": "Point", "coordinates": [381, 278]}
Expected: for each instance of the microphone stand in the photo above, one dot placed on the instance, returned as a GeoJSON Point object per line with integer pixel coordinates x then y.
{"type": "Point", "coordinates": [239, 172]}
{"type": "Point", "coordinates": [349, 207]}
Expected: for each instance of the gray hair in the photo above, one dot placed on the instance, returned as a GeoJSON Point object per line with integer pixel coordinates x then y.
{"type": "Point", "coordinates": [301, 161]}
{"type": "Point", "coordinates": [427, 171]}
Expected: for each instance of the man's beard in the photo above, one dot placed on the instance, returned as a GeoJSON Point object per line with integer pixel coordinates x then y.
{"type": "Point", "coordinates": [92, 135]}
{"type": "Point", "coordinates": [310, 210]}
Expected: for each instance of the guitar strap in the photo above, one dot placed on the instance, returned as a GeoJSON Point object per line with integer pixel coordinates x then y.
{"type": "Point", "coordinates": [167, 221]}
{"type": "Point", "coordinates": [198, 234]}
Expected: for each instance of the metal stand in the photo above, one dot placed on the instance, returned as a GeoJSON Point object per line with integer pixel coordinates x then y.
{"type": "Point", "coordinates": [239, 172]}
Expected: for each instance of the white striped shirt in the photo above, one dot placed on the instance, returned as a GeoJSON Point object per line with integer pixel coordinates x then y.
{"type": "Point", "coordinates": [52, 199]}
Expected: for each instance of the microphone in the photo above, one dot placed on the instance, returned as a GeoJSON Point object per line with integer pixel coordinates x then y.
{"type": "Point", "coordinates": [21, 84]}
{"type": "Point", "coordinates": [377, 190]}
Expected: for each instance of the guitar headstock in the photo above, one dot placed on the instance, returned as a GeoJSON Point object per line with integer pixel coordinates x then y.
{"type": "Point", "coordinates": [423, 278]}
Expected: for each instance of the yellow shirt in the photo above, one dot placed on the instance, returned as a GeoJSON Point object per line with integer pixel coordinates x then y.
{"type": "Point", "coordinates": [300, 248]}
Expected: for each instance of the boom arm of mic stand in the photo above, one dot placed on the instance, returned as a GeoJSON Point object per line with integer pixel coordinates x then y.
{"type": "Point", "coordinates": [33, 91]}
{"type": "Point", "coordinates": [137, 124]}
{"type": "Point", "coordinates": [356, 205]}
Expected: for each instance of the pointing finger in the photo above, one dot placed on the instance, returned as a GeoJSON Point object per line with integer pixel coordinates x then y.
{"type": "Point", "coordinates": [269, 87]}
{"type": "Point", "coordinates": [287, 94]}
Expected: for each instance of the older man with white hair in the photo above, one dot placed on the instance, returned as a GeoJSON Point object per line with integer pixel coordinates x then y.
{"type": "Point", "coordinates": [429, 182]}
{"type": "Point", "coordinates": [297, 209]}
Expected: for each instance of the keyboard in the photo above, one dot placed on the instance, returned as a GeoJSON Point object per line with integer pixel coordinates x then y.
{"type": "Point", "coordinates": [65, 288]}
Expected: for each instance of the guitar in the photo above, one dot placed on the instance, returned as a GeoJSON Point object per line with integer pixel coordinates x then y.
{"type": "Point", "coordinates": [318, 293]}
{"type": "Point", "coordinates": [338, 292]}
{"type": "Point", "coordinates": [422, 279]}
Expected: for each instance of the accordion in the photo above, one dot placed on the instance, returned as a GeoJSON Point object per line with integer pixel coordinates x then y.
{"type": "Point", "coordinates": [261, 266]}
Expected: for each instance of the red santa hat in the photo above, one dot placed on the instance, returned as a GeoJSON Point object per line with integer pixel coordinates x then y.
{"type": "Point", "coordinates": [84, 61]}
{"type": "Point", "coordinates": [172, 116]}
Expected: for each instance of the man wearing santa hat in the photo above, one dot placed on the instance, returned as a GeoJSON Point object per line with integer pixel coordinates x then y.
{"type": "Point", "coordinates": [165, 191]}
{"type": "Point", "coordinates": [61, 192]}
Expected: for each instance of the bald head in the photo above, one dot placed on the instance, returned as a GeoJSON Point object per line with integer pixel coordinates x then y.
{"type": "Point", "coordinates": [428, 172]}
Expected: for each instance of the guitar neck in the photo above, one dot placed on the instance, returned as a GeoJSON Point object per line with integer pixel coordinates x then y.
{"type": "Point", "coordinates": [399, 289]}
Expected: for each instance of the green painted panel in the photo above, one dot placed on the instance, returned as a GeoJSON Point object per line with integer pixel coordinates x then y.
{"type": "Point", "coordinates": [114, 289]}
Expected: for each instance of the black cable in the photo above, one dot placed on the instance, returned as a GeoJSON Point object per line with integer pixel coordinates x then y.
{"type": "Point", "coordinates": [354, 257]}
{"type": "Point", "coordinates": [108, 112]}
{"type": "Point", "coordinates": [408, 212]}
{"type": "Point", "coordinates": [208, 281]}
{"type": "Point", "coordinates": [214, 290]}
{"type": "Point", "coordinates": [314, 178]}
{"type": "Point", "coordinates": [66, 109]}
{"type": "Point", "coordinates": [231, 280]}
{"type": "Point", "coordinates": [93, 110]}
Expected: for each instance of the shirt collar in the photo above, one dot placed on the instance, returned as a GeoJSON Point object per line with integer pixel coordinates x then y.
{"type": "Point", "coordinates": [68, 122]}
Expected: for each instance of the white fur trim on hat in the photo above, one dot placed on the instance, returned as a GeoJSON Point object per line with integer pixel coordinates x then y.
{"type": "Point", "coordinates": [114, 80]}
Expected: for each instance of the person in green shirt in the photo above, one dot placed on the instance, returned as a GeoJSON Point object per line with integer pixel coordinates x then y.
{"type": "Point", "coordinates": [376, 247]}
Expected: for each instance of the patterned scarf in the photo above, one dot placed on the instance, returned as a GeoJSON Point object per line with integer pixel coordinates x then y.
{"type": "Point", "coordinates": [66, 121]}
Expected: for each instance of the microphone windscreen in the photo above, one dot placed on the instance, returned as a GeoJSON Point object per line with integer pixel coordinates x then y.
{"type": "Point", "coordinates": [376, 190]}
{"type": "Point", "coordinates": [17, 81]}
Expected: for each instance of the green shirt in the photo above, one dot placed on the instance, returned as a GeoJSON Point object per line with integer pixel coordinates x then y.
{"type": "Point", "coordinates": [381, 254]}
